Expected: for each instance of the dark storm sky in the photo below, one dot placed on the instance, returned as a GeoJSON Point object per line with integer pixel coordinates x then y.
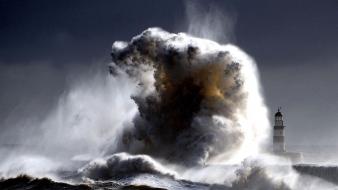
{"type": "Point", "coordinates": [295, 44]}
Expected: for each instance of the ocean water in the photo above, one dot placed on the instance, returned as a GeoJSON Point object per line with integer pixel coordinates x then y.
{"type": "Point", "coordinates": [174, 112]}
{"type": "Point", "coordinates": [151, 181]}
{"type": "Point", "coordinates": [69, 178]}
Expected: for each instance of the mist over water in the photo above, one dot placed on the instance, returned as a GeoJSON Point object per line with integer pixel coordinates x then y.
{"type": "Point", "coordinates": [172, 107]}
{"type": "Point", "coordinates": [80, 127]}
{"type": "Point", "coordinates": [209, 22]}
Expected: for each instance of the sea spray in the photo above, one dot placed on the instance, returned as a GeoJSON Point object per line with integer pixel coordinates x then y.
{"type": "Point", "coordinates": [198, 100]}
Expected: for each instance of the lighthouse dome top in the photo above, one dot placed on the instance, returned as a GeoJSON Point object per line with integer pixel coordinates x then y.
{"type": "Point", "coordinates": [278, 113]}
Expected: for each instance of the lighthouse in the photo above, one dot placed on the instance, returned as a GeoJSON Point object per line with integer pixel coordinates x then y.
{"type": "Point", "coordinates": [278, 133]}
{"type": "Point", "coordinates": [279, 140]}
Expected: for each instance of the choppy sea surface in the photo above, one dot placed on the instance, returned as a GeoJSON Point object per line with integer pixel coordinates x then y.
{"type": "Point", "coordinates": [144, 181]}
{"type": "Point", "coordinates": [316, 166]}
{"type": "Point", "coordinates": [147, 181]}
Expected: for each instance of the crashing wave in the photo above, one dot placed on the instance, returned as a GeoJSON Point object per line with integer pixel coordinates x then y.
{"type": "Point", "coordinates": [197, 99]}
{"type": "Point", "coordinates": [199, 109]}
{"type": "Point", "coordinates": [121, 165]}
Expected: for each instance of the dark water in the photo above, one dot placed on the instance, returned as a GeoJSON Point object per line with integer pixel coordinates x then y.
{"type": "Point", "coordinates": [328, 173]}
{"type": "Point", "coordinates": [150, 182]}
{"type": "Point", "coordinates": [26, 182]}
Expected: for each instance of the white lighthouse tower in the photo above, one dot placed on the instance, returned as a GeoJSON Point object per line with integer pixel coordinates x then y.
{"type": "Point", "coordinates": [278, 133]}
{"type": "Point", "coordinates": [279, 140]}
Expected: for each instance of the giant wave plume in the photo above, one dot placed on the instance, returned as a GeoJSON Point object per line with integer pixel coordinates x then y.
{"type": "Point", "coordinates": [197, 99]}
{"type": "Point", "coordinates": [195, 119]}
